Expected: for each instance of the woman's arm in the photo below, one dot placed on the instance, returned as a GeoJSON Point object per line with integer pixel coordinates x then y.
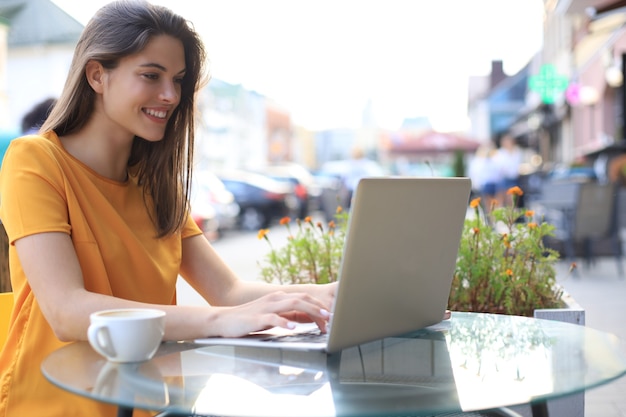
{"type": "Point", "coordinates": [208, 274]}
{"type": "Point", "coordinates": [54, 274]}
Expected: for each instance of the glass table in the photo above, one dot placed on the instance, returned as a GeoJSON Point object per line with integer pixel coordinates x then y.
{"type": "Point", "coordinates": [468, 363]}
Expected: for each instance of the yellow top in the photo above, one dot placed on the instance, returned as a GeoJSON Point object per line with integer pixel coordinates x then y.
{"type": "Point", "coordinates": [44, 189]}
{"type": "Point", "coordinates": [6, 306]}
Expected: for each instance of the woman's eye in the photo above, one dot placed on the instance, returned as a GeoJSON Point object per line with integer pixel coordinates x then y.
{"type": "Point", "coordinates": [151, 76]}
{"type": "Point", "coordinates": [179, 80]}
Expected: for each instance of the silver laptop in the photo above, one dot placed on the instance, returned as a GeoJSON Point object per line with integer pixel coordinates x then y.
{"type": "Point", "coordinates": [399, 258]}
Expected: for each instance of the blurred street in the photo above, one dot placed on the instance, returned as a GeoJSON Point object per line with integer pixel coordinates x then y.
{"type": "Point", "coordinates": [242, 251]}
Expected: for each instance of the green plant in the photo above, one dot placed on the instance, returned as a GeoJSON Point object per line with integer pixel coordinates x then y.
{"type": "Point", "coordinates": [458, 164]}
{"type": "Point", "coordinates": [311, 255]}
{"type": "Point", "coordinates": [503, 265]}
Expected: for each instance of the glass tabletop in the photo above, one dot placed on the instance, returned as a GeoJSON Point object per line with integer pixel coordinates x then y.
{"type": "Point", "coordinates": [470, 362]}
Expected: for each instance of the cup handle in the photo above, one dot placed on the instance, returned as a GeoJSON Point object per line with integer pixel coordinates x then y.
{"type": "Point", "coordinates": [100, 339]}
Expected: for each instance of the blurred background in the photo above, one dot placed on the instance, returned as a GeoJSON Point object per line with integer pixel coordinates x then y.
{"type": "Point", "coordinates": [302, 90]}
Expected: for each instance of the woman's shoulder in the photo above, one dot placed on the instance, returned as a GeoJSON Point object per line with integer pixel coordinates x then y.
{"type": "Point", "coordinates": [42, 154]}
{"type": "Point", "coordinates": [30, 145]}
{"type": "Point", "coordinates": [37, 139]}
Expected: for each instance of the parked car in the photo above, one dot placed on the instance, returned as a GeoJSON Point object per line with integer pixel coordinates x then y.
{"type": "Point", "coordinates": [332, 194]}
{"type": "Point", "coordinates": [304, 186]}
{"type": "Point", "coordinates": [331, 177]}
{"type": "Point", "coordinates": [261, 199]}
{"type": "Point", "coordinates": [208, 190]}
{"type": "Point", "coordinates": [205, 217]}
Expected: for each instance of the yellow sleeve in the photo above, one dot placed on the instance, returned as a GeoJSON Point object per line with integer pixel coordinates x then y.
{"type": "Point", "coordinates": [32, 199]}
{"type": "Point", "coordinates": [190, 228]}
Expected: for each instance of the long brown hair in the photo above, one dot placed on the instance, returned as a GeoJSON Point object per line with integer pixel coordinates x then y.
{"type": "Point", "coordinates": [164, 168]}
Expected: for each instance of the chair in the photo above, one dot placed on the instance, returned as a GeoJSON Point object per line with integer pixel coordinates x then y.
{"type": "Point", "coordinates": [6, 306]}
{"type": "Point", "coordinates": [587, 220]}
{"type": "Point", "coordinates": [5, 276]}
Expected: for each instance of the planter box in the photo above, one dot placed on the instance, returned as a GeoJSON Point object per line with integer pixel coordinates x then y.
{"type": "Point", "coordinates": [571, 313]}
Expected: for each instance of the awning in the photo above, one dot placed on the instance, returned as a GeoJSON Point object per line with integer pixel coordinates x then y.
{"type": "Point", "coordinates": [602, 34]}
{"type": "Point", "coordinates": [599, 147]}
{"type": "Point", "coordinates": [431, 142]}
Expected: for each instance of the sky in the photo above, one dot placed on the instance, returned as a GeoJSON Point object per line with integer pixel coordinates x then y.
{"type": "Point", "coordinates": [325, 60]}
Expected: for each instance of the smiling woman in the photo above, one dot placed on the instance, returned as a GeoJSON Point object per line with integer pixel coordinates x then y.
{"type": "Point", "coordinates": [97, 210]}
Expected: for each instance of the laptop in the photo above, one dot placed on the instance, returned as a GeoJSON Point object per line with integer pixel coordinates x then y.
{"type": "Point", "coordinates": [399, 257]}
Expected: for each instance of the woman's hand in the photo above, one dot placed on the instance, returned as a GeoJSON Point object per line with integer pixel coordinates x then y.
{"type": "Point", "coordinates": [324, 293]}
{"type": "Point", "coordinates": [277, 309]}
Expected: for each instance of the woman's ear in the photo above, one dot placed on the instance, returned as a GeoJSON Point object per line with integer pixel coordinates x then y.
{"type": "Point", "coordinates": [94, 71]}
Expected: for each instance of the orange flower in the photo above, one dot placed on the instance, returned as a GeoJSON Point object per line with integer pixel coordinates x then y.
{"type": "Point", "coordinates": [307, 219]}
{"type": "Point", "coordinates": [285, 220]}
{"type": "Point", "coordinates": [475, 202]}
{"type": "Point", "coordinates": [339, 209]}
{"type": "Point", "coordinates": [331, 224]}
{"type": "Point", "coordinates": [262, 233]}
{"type": "Point", "coordinates": [476, 230]}
{"type": "Point", "coordinates": [530, 213]}
{"type": "Point", "coordinates": [509, 272]}
{"type": "Point", "coordinates": [515, 191]}
{"type": "Point", "coordinates": [532, 225]}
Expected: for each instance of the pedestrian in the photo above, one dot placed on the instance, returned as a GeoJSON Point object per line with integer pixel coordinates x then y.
{"type": "Point", "coordinates": [485, 175]}
{"type": "Point", "coordinates": [97, 212]}
{"type": "Point", "coordinates": [32, 121]}
{"type": "Point", "coordinates": [509, 159]}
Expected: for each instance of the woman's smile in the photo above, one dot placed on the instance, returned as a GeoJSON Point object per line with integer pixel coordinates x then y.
{"type": "Point", "coordinates": [157, 115]}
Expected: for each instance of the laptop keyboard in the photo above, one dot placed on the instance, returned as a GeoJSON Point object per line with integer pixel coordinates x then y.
{"type": "Point", "coordinates": [309, 336]}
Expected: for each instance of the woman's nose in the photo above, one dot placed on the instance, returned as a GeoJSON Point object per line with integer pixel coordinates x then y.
{"type": "Point", "coordinates": [170, 92]}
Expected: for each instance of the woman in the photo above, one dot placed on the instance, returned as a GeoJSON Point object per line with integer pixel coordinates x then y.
{"type": "Point", "coordinates": [96, 209]}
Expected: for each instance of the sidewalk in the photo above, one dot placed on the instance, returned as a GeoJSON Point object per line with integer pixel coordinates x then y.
{"type": "Point", "coordinates": [602, 293]}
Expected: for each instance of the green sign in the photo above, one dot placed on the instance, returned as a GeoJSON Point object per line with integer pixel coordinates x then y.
{"type": "Point", "coordinates": [548, 84]}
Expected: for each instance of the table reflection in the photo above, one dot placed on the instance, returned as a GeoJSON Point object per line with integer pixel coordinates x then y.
{"type": "Point", "coordinates": [511, 362]}
{"type": "Point", "coordinates": [394, 373]}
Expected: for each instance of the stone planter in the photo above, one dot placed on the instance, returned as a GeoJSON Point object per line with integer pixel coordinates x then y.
{"type": "Point", "coordinates": [571, 313]}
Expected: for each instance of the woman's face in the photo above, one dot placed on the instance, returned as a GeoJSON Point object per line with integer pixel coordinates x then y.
{"type": "Point", "coordinates": [141, 93]}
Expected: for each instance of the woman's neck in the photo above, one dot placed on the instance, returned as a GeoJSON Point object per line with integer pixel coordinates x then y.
{"type": "Point", "coordinates": [102, 150]}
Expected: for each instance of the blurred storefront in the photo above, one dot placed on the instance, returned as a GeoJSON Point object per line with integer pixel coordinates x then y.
{"type": "Point", "coordinates": [598, 110]}
{"type": "Point", "coordinates": [575, 116]}
{"type": "Point", "coordinates": [577, 125]}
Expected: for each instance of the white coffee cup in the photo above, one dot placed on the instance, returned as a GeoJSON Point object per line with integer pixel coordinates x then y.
{"type": "Point", "coordinates": [127, 334]}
